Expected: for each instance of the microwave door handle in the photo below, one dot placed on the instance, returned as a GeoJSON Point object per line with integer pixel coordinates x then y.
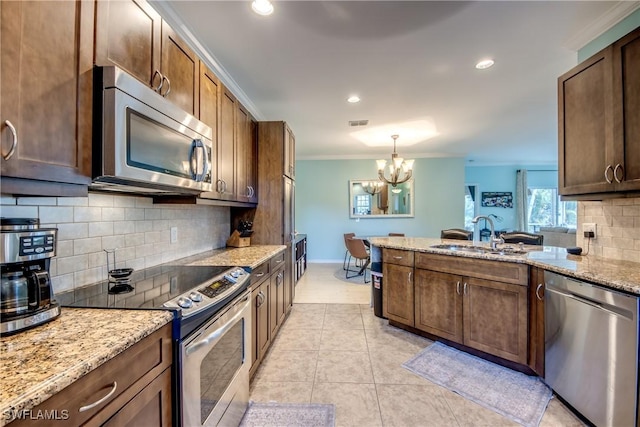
{"type": "Point", "coordinates": [205, 162]}
{"type": "Point", "coordinates": [198, 146]}
{"type": "Point", "coordinates": [193, 166]}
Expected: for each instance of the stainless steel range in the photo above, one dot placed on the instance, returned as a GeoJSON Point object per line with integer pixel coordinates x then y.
{"type": "Point", "coordinates": [211, 329]}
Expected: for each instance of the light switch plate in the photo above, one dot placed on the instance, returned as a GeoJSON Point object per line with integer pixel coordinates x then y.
{"type": "Point", "coordinates": [590, 226]}
{"type": "Point", "coordinates": [174, 235]}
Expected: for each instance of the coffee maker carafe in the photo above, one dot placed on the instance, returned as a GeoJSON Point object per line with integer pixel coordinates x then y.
{"type": "Point", "coordinates": [26, 295]}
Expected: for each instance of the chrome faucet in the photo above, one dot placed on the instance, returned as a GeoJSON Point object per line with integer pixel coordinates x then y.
{"type": "Point", "coordinates": [493, 241]}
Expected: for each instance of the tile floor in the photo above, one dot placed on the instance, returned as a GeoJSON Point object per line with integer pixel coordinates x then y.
{"type": "Point", "coordinates": [332, 349]}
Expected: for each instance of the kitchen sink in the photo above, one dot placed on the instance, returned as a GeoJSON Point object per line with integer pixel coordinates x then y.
{"type": "Point", "coordinates": [507, 250]}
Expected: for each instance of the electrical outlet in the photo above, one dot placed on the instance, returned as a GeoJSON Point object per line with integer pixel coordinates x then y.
{"type": "Point", "coordinates": [174, 235]}
{"type": "Point", "coordinates": [590, 227]}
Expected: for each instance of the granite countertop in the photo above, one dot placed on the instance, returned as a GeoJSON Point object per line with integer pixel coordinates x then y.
{"type": "Point", "coordinates": [250, 256]}
{"type": "Point", "coordinates": [38, 363]}
{"type": "Point", "coordinates": [614, 274]}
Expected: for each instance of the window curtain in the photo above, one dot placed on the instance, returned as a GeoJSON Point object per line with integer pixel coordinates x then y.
{"type": "Point", "coordinates": [521, 200]}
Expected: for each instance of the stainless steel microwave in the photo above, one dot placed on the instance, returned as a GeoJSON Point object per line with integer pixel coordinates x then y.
{"type": "Point", "coordinates": [145, 144]}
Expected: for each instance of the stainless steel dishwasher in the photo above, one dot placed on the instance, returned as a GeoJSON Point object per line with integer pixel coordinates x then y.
{"type": "Point", "coordinates": [591, 349]}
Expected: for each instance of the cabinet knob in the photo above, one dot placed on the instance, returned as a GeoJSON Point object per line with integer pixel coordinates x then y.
{"type": "Point", "coordinates": [14, 140]}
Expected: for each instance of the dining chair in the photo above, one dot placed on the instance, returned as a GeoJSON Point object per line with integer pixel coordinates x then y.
{"type": "Point", "coordinates": [456, 234]}
{"type": "Point", "coordinates": [358, 250]}
{"type": "Point", "coordinates": [523, 237]}
{"type": "Point", "coordinates": [346, 252]}
{"type": "Point", "coordinates": [396, 234]}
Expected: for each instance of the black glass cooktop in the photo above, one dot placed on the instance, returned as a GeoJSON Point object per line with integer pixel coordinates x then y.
{"type": "Point", "coordinates": [151, 287]}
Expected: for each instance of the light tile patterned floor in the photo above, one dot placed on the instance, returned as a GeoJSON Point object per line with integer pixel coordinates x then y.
{"type": "Point", "coordinates": [337, 351]}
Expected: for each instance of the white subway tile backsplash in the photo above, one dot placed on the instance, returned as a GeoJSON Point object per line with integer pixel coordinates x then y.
{"type": "Point", "coordinates": [101, 200]}
{"type": "Point", "coordinates": [102, 228]}
{"type": "Point", "coordinates": [77, 230]}
{"type": "Point", "coordinates": [37, 201]}
{"type": "Point", "coordinates": [87, 214]}
{"type": "Point", "coordinates": [618, 222]}
{"type": "Point", "coordinates": [137, 227]}
{"type": "Point", "coordinates": [85, 246]}
{"type": "Point", "coordinates": [112, 214]}
{"type": "Point", "coordinates": [73, 201]}
{"type": "Point", "coordinates": [11, 211]}
{"type": "Point", "coordinates": [57, 214]}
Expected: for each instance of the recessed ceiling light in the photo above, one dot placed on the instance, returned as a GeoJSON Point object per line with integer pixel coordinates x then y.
{"type": "Point", "coordinates": [262, 7]}
{"type": "Point", "coordinates": [353, 99]}
{"type": "Point", "coordinates": [484, 64]}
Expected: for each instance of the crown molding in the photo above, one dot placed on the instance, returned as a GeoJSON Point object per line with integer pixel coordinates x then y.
{"type": "Point", "coordinates": [607, 21]}
{"type": "Point", "coordinates": [179, 26]}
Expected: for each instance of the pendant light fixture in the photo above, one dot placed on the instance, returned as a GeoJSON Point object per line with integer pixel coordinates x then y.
{"type": "Point", "coordinates": [372, 187]}
{"type": "Point", "coordinates": [400, 169]}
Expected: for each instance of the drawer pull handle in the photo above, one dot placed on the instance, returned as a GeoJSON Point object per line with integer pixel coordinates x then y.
{"type": "Point", "coordinates": [538, 290]}
{"type": "Point", "coordinates": [100, 401]}
{"type": "Point", "coordinates": [464, 289]}
{"type": "Point", "coordinates": [409, 277]}
{"type": "Point", "coordinates": [260, 274]}
{"type": "Point", "coordinates": [14, 140]}
{"type": "Point", "coordinates": [279, 261]}
{"type": "Point", "coordinates": [458, 288]}
{"type": "Point", "coordinates": [615, 173]}
{"type": "Point", "coordinates": [397, 257]}
{"type": "Point", "coordinates": [606, 175]}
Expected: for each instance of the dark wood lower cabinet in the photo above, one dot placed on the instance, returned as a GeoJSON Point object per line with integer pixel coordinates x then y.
{"type": "Point", "coordinates": [438, 306]}
{"type": "Point", "coordinates": [536, 321]}
{"type": "Point", "coordinates": [398, 297]}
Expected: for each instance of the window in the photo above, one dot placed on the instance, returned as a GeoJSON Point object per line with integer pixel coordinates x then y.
{"type": "Point", "coordinates": [471, 204]}
{"type": "Point", "coordinates": [547, 210]}
{"type": "Point", "coordinates": [362, 204]}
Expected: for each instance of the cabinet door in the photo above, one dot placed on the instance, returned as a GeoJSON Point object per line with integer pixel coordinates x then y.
{"type": "Point", "coordinates": [226, 145]}
{"type": "Point", "coordinates": [536, 321]}
{"type": "Point", "coordinates": [289, 153]}
{"type": "Point", "coordinates": [280, 292]}
{"type": "Point", "coordinates": [397, 289]}
{"type": "Point", "coordinates": [209, 106]}
{"type": "Point", "coordinates": [263, 328]}
{"type": "Point", "coordinates": [439, 304]}
{"type": "Point", "coordinates": [289, 279]}
{"type": "Point", "coordinates": [495, 318]}
{"type": "Point", "coordinates": [251, 158]}
{"type": "Point", "coordinates": [585, 127]}
{"type": "Point", "coordinates": [626, 92]}
{"type": "Point", "coordinates": [256, 301]}
{"type": "Point", "coordinates": [152, 406]}
{"type": "Point", "coordinates": [180, 68]}
{"type": "Point", "coordinates": [128, 35]}
{"type": "Point", "coordinates": [46, 86]}
{"type": "Point", "coordinates": [243, 145]}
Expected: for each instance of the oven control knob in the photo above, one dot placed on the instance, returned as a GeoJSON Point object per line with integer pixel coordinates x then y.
{"type": "Point", "coordinates": [184, 302]}
{"type": "Point", "coordinates": [195, 297]}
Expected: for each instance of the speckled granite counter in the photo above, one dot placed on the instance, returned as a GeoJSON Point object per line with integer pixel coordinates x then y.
{"type": "Point", "coordinates": [251, 256]}
{"type": "Point", "coordinates": [621, 275]}
{"type": "Point", "coordinates": [38, 363]}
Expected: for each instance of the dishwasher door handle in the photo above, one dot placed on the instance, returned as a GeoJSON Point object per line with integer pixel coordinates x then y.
{"type": "Point", "coordinates": [594, 304]}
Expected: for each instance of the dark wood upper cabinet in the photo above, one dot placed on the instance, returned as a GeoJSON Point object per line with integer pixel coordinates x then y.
{"type": "Point", "coordinates": [209, 108]}
{"type": "Point", "coordinates": [180, 68]}
{"type": "Point", "coordinates": [626, 102]}
{"type": "Point", "coordinates": [289, 153]}
{"type": "Point", "coordinates": [131, 35]}
{"type": "Point", "coordinates": [46, 96]}
{"type": "Point", "coordinates": [599, 122]}
{"type": "Point", "coordinates": [225, 184]}
{"type": "Point", "coordinates": [246, 161]}
{"type": "Point", "coordinates": [128, 35]}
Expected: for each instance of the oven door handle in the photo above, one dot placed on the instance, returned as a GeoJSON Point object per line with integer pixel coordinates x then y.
{"type": "Point", "coordinates": [192, 348]}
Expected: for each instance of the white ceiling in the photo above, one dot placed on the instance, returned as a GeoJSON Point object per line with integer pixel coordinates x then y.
{"type": "Point", "coordinates": [408, 61]}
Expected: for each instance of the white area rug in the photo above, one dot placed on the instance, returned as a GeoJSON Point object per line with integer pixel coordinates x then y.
{"type": "Point", "coordinates": [289, 415]}
{"type": "Point", "coordinates": [517, 396]}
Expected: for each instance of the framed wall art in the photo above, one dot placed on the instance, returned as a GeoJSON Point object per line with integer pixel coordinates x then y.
{"type": "Point", "coordinates": [497, 200]}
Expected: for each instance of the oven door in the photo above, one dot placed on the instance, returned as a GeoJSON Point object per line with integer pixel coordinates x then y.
{"type": "Point", "coordinates": [214, 384]}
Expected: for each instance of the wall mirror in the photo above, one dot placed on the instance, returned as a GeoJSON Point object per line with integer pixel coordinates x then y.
{"type": "Point", "coordinates": [371, 198]}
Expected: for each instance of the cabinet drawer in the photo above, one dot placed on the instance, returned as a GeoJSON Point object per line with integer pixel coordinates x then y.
{"type": "Point", "coordinates": [506, 272]}
{"type": "Point", "coordinates": [398, 257]}
{"type": "Point", "coordinates": [132, 370]}
{"type": "Point", "coordinates": [260, 273]}
{"type": "Point", "coordinates": [277, 261]}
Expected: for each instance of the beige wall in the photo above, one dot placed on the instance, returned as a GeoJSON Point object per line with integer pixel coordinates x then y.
{"type": "Point", "coordinates": [618, 227]}
{"type": "Point", "coordinates": [140, 229]}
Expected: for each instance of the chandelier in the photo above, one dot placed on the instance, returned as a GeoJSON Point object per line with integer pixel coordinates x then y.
{"type": "Point", "coordinates": [372, 187]}
{"type": "Point", "coordinates": [400, 169]}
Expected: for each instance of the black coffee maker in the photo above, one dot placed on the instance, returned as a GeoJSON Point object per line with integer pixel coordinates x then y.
{"type": "Point", "coordinates": [26, 296]}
